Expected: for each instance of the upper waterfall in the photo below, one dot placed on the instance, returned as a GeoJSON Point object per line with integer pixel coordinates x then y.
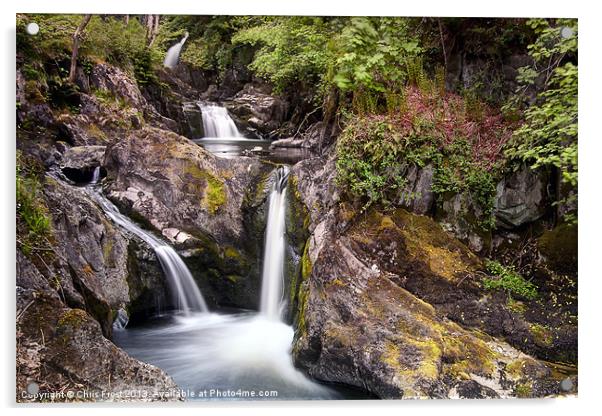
{"type": "Point", "coordinates": [272, 280]}
{"type": "Point", "coordinates": [173, 54]}
{"type": "Point", "coordinates": [217, 122]}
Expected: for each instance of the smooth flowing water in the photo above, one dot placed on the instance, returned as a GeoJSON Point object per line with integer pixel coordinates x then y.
{"type": "Point", "coordinates": [95, 175]}
{"type": "Point", "coordinates": [186, 295]}
{"type": "Point", "coordinates": [173, 54]}
{"type": "Point", "coordinates": [236, 356]}
{"type": "Point", "coordinates": [272, 280]}
{"type": "Point", "coordinates": [217, 123]}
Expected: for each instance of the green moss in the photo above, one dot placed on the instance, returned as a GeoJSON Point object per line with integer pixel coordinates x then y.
{"type": "Point", "coordinates": [306, 265]}
{"type": "Point", "coordinates": [523, 390]}
{"type": "Point", "coordinates": [34, 229]}
{"type": "Point", "coordinates": [506, 278]}
{"type": "Point", "coordinates": [542, 335]}
{"type": "Point", "coordinates": [73, 318]}
{"type": "Point", "coordinates": [231, 253]}
{"type": "Point", "coordinates": [214, 193]}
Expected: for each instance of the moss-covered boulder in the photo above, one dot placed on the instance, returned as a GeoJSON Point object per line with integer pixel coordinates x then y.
{"type": "Point", "coordinates": [211, 209]}
{"type": "Point", "coordinates": [392, 303]}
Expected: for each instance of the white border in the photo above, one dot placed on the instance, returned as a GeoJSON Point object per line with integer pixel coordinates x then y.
{"type": "Point", "coordinates": [590, 77]}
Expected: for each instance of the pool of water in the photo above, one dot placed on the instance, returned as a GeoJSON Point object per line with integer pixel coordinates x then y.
{"type": "Point", "coordinates": [235, 356]}
{"type": "Point", "coordinates": [238, 146]}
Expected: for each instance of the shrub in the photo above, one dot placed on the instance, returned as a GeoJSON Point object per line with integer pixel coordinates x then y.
{"type": "Point", "coordinates": [33, 223]}
{"type": "Point", "coordinates": [508, 279]}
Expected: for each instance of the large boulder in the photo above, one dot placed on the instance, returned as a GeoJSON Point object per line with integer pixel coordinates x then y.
{"type": "Point", "coordinates": [391, 303]}
{"type": "Point", "coordinates": [257, 111]}
{"type": "Point", "coordinates": [98, 267]}
{"type": "Point", "coordinates": [520, 198]}
{"type": "Point", "coordinates": [196, 201]}
{"type": "Point", "coordinates": [68, 297]}
{"type": "Point", "coordinates": [63, 350]}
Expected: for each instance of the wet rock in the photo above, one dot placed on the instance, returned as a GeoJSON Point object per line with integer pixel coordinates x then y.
{"type": "Point", "coordinates": [193, 126]}
{"type": "Point", "coordinates": [169, 183]}
{"type": "Point", "coordinates": [78, 163]}
{"type": "Point", "coordinates": [520, 198]}
{"type": "Point", "coordinates": [262, 112]}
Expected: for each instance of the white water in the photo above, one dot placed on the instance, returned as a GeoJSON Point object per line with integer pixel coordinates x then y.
{"type": "Point", "coordinates": [95, 175]}
{"type": "Point", "coordinates": [173, 53]}
{"type": "Point", "coordinates": [224, 352]}
{"type": "Point", "coordinates": [272, 278]}
{"type": "Point", "coordinates": [186, 294]}
{"type": "Point", "coordinates": [249, 352]}
{"type": "Point", "coordinates": [217, 123]}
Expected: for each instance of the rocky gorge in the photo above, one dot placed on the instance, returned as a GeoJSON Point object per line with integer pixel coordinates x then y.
{"type": "Point", "coordinates": [391, 302]}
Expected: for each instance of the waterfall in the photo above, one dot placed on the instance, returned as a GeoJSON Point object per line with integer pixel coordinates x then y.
{"type": "Point", "coordinates": [95, 175]}
{"type": "Point", "coordinates": [186, 294]}
{"type": "Point", "coordinates": [217, 122]}
{"type": "Point", "coordinates": [173, 53]}
{"type": "Point", "coordinates": [272, 278]}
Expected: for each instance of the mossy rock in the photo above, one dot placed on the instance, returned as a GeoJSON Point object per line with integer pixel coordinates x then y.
{"type": "Point", "coordinates": [559, 247]}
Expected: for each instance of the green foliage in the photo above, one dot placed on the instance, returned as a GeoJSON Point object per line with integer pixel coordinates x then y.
{"type": "Point", "coordinates": [289, 50]}
{"type": "Point", "coordinates": [373, 156]}
{"type": "Point", "coordinates": [549, 135]}
{"type": "Point", "coordinates": [105, 39]}
{"type": "Point", "coordinates": [33, 223]}
{"type": "Point", "coordinates": [506, 278]}
{"type": "Point", "coordinates": [374, 54]}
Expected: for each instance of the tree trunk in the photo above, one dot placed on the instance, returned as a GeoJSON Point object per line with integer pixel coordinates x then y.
{"type": "Point", "coordinates": [75, 49]}
{"type": "Point", "coordinates": [126, 19]}
{"type": "Point", "coordinates": [152, 28]}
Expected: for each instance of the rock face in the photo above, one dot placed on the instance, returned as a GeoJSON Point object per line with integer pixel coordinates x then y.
{"type": "Point", "coordinates": [418, 196]}
{"type": "Point", "coordinates": [520, 198]}
{"type": "Point", "coordinates": [258, 112]}
{"type": "Point", "coordinates": [198, 203]}
{"type": "Point", "coordinates": [394, 305]}
{"type": "Point", "coordinates": [78, 163]}
{"type": "Point", "coordinates": [67, 300]}
{"type": "Point", "coordinates": [193, 126]}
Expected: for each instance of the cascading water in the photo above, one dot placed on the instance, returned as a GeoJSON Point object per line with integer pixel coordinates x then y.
{"type": "Point", "coordinates": [95, 176]}
{"type": "Point", "coordinates": [186, 294]}
{"type": "Point", "coordinates": [173, 53]}
{"type": "Point", "coordinates": [247, 351]}
{"type": "Point", "coordinates": [217, 123]}
{"type": "Point", "coordinates": [273, 258]}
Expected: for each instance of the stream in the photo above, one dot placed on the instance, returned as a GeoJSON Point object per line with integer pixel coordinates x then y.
{"type": "Point", "coordinates": [224, 355]}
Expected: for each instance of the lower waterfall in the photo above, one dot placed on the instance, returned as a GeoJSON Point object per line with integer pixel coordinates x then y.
{"type": "Point", "coordinates": [272, 279]}
{"type": "Point", "coordinates": [233, 356]}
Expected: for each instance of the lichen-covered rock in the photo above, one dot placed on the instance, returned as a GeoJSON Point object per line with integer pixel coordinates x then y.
{"type": "Point", "coordinates": [170, 184]}
{"type": "Point", "coordinates": [64, 350]}
{"type": "Point", "coordinates": [359, 327]}
{"type": "Point", "coordinates": [393, 304]}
